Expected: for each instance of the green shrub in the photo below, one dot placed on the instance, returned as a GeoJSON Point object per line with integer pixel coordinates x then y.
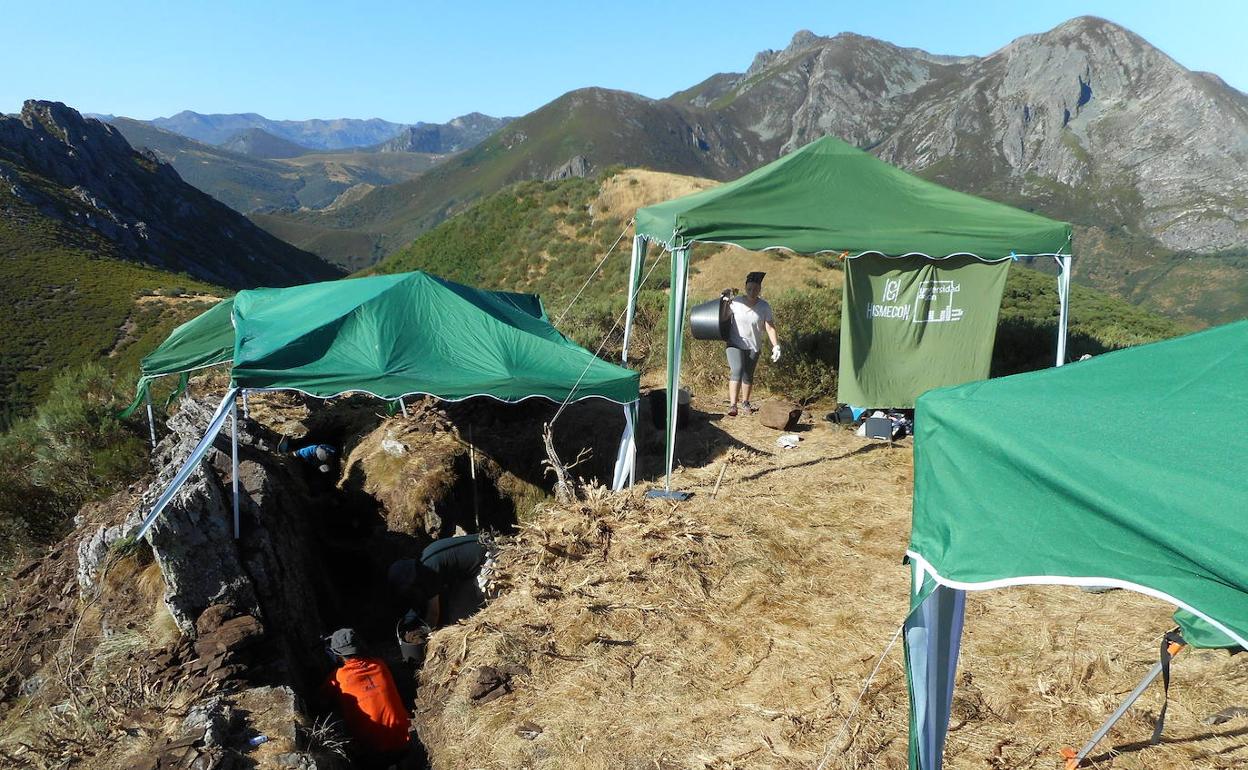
{"type": "Point", "coordinates": [72, 450]}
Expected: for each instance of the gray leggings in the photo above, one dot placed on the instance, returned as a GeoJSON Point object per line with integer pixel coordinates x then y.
{"type": "Point", "coordinates": [741, 365]}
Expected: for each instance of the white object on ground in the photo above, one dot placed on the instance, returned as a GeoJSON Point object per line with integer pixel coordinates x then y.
{"type": "Point", "coordinates": [789, 440]}
{"type": "Point", "coordinates": [392, 447]}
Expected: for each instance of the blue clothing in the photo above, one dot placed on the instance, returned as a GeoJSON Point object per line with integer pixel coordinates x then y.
{"type": "Point", "coordinates": [309, 452]}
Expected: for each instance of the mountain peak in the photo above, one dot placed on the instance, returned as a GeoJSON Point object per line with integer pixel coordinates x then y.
{"type": "Point", "coordinates": [802, 39]}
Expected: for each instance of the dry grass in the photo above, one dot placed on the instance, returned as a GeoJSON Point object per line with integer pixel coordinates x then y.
{"type": "Point", "coordinates": [728, 267]}
{"type": "Point", "coordinates": [634, 188]}
{"type": "Point", "coordinates": [738, 632]}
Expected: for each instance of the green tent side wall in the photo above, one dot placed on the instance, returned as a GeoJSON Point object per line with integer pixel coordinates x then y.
{"type": "Point", "coordinates": [1123, 470]}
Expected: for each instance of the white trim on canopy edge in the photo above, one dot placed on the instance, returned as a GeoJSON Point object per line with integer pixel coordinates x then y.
{"type": "Point", "coordinates": [926, 567]}
{"type": "Point", "coordinates": [1063, 252]}
{"type": "Point", "coordinates": [411, 393]}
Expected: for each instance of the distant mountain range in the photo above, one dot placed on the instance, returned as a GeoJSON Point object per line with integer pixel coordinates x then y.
{"type": "Point", "coordinates": [252, 164]}
{"type": "Point", "coordinates": [247, 183]}
{"type": "Point", "coordinates": [337, 134]}
{"type": "Point", "coordinates": [1086, 122]}
{"type": "Point", "coordinates": [88, 227]}
{"type": "Point", "coordinates": [258, 136]}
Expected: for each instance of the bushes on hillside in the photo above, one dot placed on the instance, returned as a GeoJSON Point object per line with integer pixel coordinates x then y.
{"type": "Point", "coordinates": [72, 450]}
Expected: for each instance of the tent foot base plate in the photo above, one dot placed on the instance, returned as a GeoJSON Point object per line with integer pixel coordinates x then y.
{"type": "Point", "coordinates": [668, 494]}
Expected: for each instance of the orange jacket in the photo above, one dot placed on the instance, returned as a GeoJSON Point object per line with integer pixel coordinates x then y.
{"type": "Point", "coordinates": [370, 704]}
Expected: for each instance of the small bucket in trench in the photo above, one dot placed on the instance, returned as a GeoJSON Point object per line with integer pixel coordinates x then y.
{"type": "Point", "coordinates": [411, 634]}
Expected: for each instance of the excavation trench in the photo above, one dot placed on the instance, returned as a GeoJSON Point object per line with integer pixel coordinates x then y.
{"type": "Point", "coordinates": [396, 485]}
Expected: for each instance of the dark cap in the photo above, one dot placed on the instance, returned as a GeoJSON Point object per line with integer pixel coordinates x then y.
{"type": "Point", "coordinates": [755, 277]}
{"type": "Point", "coordinates": [345, 642]}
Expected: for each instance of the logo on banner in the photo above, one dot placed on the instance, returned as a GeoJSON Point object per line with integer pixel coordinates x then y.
{"type": "Point", "coordinates": [940, 297]}
{"type": "Point", "coordinates": [882, 309]}
{"type": "Point", "coordinates": [933, 303]}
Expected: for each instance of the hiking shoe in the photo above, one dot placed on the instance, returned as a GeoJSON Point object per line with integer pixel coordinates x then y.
{"type": "Point", "coordinates": [749, 408]}
{"type": "Point", "coordinates": [732, 411]}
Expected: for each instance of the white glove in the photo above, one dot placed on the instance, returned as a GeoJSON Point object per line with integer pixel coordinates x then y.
{"type": "Point", "coordinates": [775, 353]}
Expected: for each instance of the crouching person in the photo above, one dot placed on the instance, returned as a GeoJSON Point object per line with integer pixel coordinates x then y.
{"type": "Point", "coordinates": [364, 694]}
{"type": "Point", "coordinates": [449, 581]}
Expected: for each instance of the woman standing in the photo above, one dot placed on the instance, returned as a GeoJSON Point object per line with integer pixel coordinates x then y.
{"type": "Point", "coordinates": [750, 316]}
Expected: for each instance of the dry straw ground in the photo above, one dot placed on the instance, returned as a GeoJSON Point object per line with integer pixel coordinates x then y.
{"type": "Point", "coordinates": [737, 631]}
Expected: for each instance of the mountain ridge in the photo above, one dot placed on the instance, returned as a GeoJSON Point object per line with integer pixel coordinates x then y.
{"type": "Point", "coordinates": [1085, 122]}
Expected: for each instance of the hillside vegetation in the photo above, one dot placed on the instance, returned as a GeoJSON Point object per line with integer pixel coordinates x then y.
{"type": "Point", "coordinates": [547, 237]}
{"type": "Point", "coordinates": [69, 299]}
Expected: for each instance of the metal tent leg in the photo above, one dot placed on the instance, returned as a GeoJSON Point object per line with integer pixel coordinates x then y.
{"type": "Point", "coordinates": [1063, 294]}
{"type": "Point", "coordinates": [151, 421]}
{"type": "Point", "coordinates": [234, 460]}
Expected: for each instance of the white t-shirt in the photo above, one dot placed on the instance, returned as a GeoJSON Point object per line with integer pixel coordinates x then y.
{"type": "Point", "coordinates": [747, 328]}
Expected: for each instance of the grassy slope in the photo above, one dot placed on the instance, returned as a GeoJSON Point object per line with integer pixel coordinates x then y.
{"type": "Point", "coordinates": [67, 297]}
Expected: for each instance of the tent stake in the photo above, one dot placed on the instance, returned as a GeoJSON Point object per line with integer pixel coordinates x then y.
{"type": "Point", "coordinates": [234, 459]}
{"type": "Point", "coordinates": [402, 406]}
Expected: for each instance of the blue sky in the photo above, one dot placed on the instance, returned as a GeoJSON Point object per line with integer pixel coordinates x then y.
{"type": "Point", "coordinates": [409, 61]}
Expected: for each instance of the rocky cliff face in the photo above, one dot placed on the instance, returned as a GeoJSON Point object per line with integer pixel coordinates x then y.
{"type": "Point", "coordinates": [1088, 117]}
{"type": "Point", "coordinates": [83, 173]}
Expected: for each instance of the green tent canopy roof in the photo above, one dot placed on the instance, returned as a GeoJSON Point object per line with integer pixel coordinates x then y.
{"type": "Point", "coordinates": [830, 196]}
{"type": "Point", "coordinates": [1124, 470]}
{"type": "Point", "coordinates": [391, 336]}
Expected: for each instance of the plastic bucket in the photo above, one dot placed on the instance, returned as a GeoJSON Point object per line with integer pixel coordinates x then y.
{"type": "Point", "coordinates": [412, 652]}
{"type": "Point", "coordinates": [710, 320]}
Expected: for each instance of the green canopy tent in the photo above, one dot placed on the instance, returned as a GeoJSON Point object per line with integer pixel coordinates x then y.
{"type": "Point", "coordinates": [831, 197]}
{"type": "Point", "coordinates": [1143, 491]}
{"type": "Point", "coordinates": [390, 336]}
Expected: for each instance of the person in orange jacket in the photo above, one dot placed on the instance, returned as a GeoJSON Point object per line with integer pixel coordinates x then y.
{"type": "Point", "coordinates": [369, 702]}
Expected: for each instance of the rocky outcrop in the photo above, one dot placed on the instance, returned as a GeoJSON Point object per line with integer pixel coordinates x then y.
{"type": "Point", "coordinates": [269, 580]}
{"type": "Point", "coordinates": [84, 173]}
{"type": "Point", "coordinates": [577, 166]}
{"type": "Point", "coordinates": [441, 138]}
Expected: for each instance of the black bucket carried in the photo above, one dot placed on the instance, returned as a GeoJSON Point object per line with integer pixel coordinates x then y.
{"type": "Point", "coordinates": [711, 320]}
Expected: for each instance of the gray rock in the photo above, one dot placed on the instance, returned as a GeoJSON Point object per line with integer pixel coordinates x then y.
{"type": "Point", "coordinates": [213, 718]}
{"type": "Point", "coordinates": [92, 552]}
{"type": "Point", "coordinates": [576, 166]}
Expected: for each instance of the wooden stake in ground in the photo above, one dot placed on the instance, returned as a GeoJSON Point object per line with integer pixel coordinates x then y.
{"type": "Point", "coordinates": [719, 480]}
